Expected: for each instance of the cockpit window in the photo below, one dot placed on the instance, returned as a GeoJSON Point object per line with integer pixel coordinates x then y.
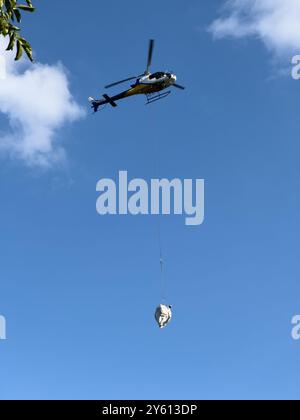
{"type": "Point", "coordinates": [158, 75]}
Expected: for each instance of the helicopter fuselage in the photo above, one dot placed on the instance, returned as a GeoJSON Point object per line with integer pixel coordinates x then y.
{"type": "Point", "coordinates": [148, 84]}
{"type": "Point", "coordinates": [151, 83]}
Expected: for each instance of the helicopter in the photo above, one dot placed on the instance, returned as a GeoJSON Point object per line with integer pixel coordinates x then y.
{"type": "Point", "coordinates": [149, 84]}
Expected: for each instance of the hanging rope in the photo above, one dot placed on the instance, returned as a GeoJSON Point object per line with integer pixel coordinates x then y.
{"type": "Point", "coordinates": [159, 232]}
{"type": "Point", "coordinates": [162, 264]}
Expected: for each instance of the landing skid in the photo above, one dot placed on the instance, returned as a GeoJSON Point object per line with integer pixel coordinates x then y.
{"type": "Point", "coordinates": [154, 98]}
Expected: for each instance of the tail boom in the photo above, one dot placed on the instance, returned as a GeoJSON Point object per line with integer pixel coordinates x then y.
{"type": "Point", "coordinates": [96, 103]}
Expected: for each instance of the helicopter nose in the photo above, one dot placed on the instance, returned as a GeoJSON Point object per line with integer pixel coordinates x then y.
{"type": "Point", "coordinates": [174, 78]}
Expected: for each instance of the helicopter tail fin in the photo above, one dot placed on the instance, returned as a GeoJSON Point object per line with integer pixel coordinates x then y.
{"type": "Point", "coordinates": [95, 104]}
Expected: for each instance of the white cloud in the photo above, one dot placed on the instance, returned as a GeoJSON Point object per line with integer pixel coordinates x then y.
{"type": "Point", "coordinates": [275, 22]}
{"type": "Point", "coordinates": [36, 102]}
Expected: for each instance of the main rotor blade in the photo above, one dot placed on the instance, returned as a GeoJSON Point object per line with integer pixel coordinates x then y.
{"type": "Point", "coordinates": [179, 86]}
{"type": "Point", "coordinates": [120, 82]}
{"type": "Point", "coordinates": [150, 54]}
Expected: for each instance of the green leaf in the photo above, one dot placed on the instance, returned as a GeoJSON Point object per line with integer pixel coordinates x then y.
{"type": "Point", "coordinates": [8, 6]}
{"type": "Point", "coordinates": [19, 50]}
{"type": "Point", "coordinates": [11, 42]}
{"type": "Point", "coordinates": [28, 51]}
{"type": "Point", "coordinates": [10, 12]}
{"type": "Point", "coordinates": [25, 8]}
{"type": "Point", "coordinates": [18, 15]}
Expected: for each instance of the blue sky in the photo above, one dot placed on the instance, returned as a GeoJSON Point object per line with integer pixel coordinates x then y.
{"type": "Point", "coordinates": [79, 290]}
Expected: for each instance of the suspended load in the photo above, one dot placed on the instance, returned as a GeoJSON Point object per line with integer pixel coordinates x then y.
{"type": "Point", "coordinates": [163, 315]}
